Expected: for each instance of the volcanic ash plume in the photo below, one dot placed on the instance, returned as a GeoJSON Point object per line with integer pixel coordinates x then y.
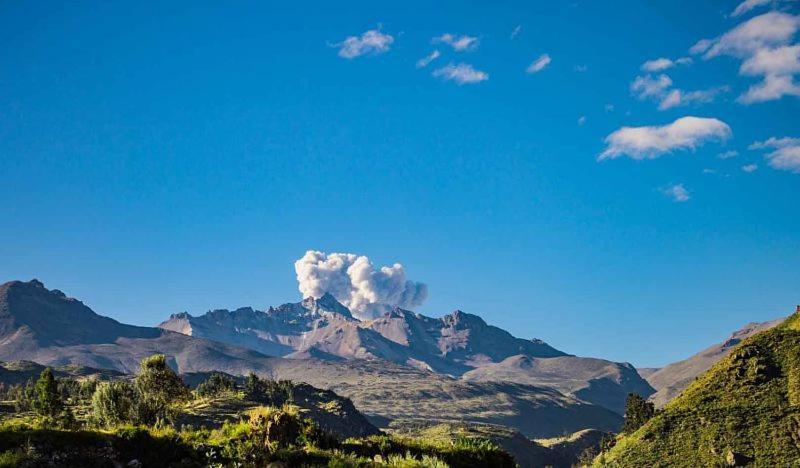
{"type": "Point", "coordinates": [354, 281]}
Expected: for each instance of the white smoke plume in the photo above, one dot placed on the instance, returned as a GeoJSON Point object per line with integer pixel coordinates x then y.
{"type": "Point", "coordinates": [353, 280]}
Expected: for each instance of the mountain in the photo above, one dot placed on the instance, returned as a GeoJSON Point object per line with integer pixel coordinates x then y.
{"type": "Point", "coordinates": [457, 344]}
{"type": "Point", "coordinates": [671, 380]}
{"type": "Point", "coordinates": [44, 326]}
{"type": "Point", "coordinates": [49, 328]}
{"type": "Point", "coordinates": [745, 410]}
{"type": "Point", "coordinates": [597, 381]}
{"type": "Point", "coordinates": [325, 329]}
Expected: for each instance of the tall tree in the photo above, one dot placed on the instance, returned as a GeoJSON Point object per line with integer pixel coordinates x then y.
{"type": "Point", "coordinates": [637, 412]}
{"type": "Point", "coordinates": [47, 400]}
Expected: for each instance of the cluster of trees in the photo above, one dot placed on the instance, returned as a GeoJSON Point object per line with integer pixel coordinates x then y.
{"type": "Point", "coordinates": [149, 399]}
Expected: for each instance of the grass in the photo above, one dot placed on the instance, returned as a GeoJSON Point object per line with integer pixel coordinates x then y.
{"type": "Point", "coordinates": [744, 410]}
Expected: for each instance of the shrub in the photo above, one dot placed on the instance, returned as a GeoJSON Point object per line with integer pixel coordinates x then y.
{"type": "Point", "coordinates": [114, 403]}
{"type": "Point", "coordinates": [216, 384]}
{"type": "Point", "coordinates": [268, 392]}
{"type": "Point", "coordinates": [157, 387]}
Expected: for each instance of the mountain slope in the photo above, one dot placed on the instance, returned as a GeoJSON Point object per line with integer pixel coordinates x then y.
{"type": "Point", "coordinates": [671, 380]}
{"type": "Point", "coordinates": [597, 381]}
{"type": "Point", "coordinates": [744, 410]}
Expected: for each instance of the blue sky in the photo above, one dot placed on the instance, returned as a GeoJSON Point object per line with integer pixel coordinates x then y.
{"type": "Point", "coordinates": [156, 159]}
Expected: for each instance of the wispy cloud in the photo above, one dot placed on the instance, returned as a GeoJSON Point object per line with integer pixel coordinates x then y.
{"type": "Point", "coordinates": [677, 192]}
{"type": "Point", "coordinates": [651, 142]}
{"type": "Point", "coordinates": [728, 154]}
{"type": "Point", "coordinates": [372, 42]}
{"type": "Point", "coordinates": [424, 61]}
{"type": "Point", "coordinates": [460, 43]}
{"type": "Point", "coordinates": [539, 64]}
{"type": "Point", "coordinates": [463, 73]}
{"type": "Point", "coordinates": [748, 5]}
{"type": "Point", "coordinates": [516, 31]}
{"type": "Point", "coordinates": [785, 154]}
{"type": "Point", "coordinates": [580, 68]}
{"type": "Point", "coordinates": [764, 44]}
{"type": "Point", "coordinates": [750, 168]}
{"type": "Point", "coordinates": [581, 120]}
{"type": "Point", "coordinates": [663, 63]}
{"type": "Point", "coordinates": [659, 88]}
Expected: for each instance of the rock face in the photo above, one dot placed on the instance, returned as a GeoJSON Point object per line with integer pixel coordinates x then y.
{"type": "Point", "coordinates": [458, 344]}
{"type": "Point", "coordinates": [671, 380]}
{"type": "Point", "coordinates": [46, 327]}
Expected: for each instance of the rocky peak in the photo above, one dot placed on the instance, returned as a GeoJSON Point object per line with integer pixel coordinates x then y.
{"type": "Point", "coordinates": [461, 319]}
{"type": "Point", "coordinates": [326, 303]}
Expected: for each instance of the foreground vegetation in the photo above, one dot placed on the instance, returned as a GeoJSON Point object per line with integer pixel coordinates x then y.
{"type": "Point", "coordinates": [155, 420]}
{"type": "Point", "coordinates": [743, 411]}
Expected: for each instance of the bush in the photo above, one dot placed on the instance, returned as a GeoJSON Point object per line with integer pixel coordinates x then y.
{"type": "Point", "coordinates": [216, 384]}
{"type": "Point", "coordinates": [114, 403]}
{"type": "Point", "coordinates": [157, 387]}
{"type": "Point", "coordinates": [268, 392]}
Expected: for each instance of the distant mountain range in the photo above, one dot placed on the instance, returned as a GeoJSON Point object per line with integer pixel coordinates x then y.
{"type": "Point", "coordinates": [458, 344]}
{"type": "Point", "coordinates": [49, 328]}
{"type": "Point", "coordinates": [401, 366]}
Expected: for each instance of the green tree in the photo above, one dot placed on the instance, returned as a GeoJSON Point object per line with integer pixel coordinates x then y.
{"type": "Point", "coordinates": [637, 412]}
{"type": "Point", "coordinates": [157, 387]}
{"type": "Point", "coordinates": [47, 400]}
{"type": "Point", "coordinates": [114, 403]}
{"type": "Point", "coordinates": [216, 384]}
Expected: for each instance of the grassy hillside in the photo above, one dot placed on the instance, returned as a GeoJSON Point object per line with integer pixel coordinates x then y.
{"type": "Point", "coordinates": [744, 411]}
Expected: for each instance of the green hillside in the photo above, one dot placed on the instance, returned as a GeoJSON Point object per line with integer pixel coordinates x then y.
{"type": "Point", "coordinates": [744, 411]}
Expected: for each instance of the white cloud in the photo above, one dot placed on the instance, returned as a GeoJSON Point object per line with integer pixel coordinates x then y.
{"type": "Point", "coordinates": [581, 120]}
{"type": "Point", "coordinates": [767, 30]}
{"type": "Point", "coordinates": [771, 88]}
{"type": "Point", "coordinates": [609, 107]}
{"type": "Point", "coordinates": [516, 31]}
{"type": "Point", "coordinates": [651, 142]}
{"type": "Point", "coordinates": [764, 45]}
{"type": "Point", "coordinates": [664, 63]}
{"type": "Point", "coordinates": [461, 43]}
{"type": "Point", "coordinates": [463, 73]}
{"type": "Point", "coordinates": [372, 42]}
{"type": "Point", "coordinates": [539, 64]}
{"type": "Point", "coordinates": [677, 192]}
{"type": "Point", "coordinates": [580, 68]}
{"type": "Point", "coordinates": [649, 86]}
{"type": "Point", "coordinates": [748, 5]}
{"type": "Point", "coordinates": [356, 283]}
{"type": "Point", "coordinates": [659, 88]}
{"type": "Point", "coordinates": [677, 97]}
{"type": "Point", "coordinates": [424, 61]}
{"type": "Point", "coordinates": [778, 61]}
{"type": "Point", "coordinates": [750, 168]}
{"type": "Point", "coordinates": [785, 154]}
{"type": "Point", "coordinates": [728, 154]}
